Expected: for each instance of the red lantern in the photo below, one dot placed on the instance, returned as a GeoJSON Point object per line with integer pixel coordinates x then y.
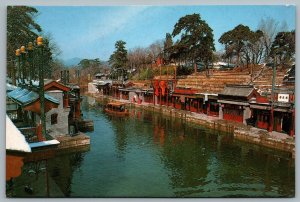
{"type": "Point", "coordinates": [162, 85]}
{"type": "Point", "coordinates": [156, 86]}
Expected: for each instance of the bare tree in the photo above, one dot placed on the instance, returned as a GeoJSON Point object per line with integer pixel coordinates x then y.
{"type": "Point", "coordinates": [138, 58]}
{"type": "Point", "coordinates": [270, 27]}
{"type": "Point", "coordinates": [155, 49]}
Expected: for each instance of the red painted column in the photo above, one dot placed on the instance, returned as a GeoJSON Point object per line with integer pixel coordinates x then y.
{"type": "Point", "coordinates": [66, 100]}
{"type": "Point", "coordinates": [208, 108]}
{"type": "Point", "coordinates": [167, 96]}
{"type": "Point", "coordinates": [160, 98]}
{"type": "Point", "coordinates": [173, 103]}
{"type": "Point", "coordinates": [292, 131]}
{"type": "Point", "coordinates": [39, 133]}
{"type": "Point", "coordinates": [153, 97]}
{"type": "Point", "coordinates": [271, 123]}
{"type": "Point", "coordinates": [77, 110]}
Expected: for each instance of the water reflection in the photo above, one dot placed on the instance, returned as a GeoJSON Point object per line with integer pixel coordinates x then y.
{"type": "Point", "coordinates": [212, 164]}
{"type": "Point", "coordinates": [147, 155]}
{"type": "Point", "coordinates": [62, 170]}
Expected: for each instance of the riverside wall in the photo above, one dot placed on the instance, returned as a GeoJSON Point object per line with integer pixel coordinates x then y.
{"type": "Point", "coordinates": [238, 130]}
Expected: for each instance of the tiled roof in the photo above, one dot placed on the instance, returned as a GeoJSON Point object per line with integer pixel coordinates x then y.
{"type": "Point", "coordinates": [237, 90]}
{"type": "Point", "coordinates": [25, 97]}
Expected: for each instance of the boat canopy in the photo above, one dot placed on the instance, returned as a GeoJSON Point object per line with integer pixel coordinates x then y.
{"type": "Point", "coordinates": [116, 104]}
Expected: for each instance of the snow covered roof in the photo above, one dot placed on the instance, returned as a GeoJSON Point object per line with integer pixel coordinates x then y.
{"type": "Point", "coordinates": [10, 87]}
{"type": "Point", "coordinates": [15, 140]}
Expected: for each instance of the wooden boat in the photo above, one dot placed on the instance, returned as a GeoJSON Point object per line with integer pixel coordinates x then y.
{"type": "Point", "coordinates": [116, 108]}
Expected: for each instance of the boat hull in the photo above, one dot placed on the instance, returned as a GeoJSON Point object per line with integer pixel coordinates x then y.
{"type": "Point", "coordinates": [116, 113]}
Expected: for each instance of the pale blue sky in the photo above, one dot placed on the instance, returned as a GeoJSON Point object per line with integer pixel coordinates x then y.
{"type": "Point", "coordinates": [91, 32]}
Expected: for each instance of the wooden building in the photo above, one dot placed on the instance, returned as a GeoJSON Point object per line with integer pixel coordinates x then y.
{"type": "Point", "coordinates": [57, 118]}
{"type": "Point", "coordinates": [234, 102]}
{"type": "Point", "coordinates": [277, 116]}
{"type": "Point", "coordinates": [29, 110]}
{"type": "Point", "coordinates": [137, 95]}
{"type": "Point", "coordinates": [162, 89]}
{"type": "Point", "coordinates": [104, 87]}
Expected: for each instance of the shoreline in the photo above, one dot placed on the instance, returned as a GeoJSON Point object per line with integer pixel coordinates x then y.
{"type": "Point", "coordinates": [274, 140]}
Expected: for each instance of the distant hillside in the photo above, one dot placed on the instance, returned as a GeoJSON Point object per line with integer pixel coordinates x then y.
{"type": "Point", "coordinates": [75, 61]}
{"type": "Point", "coordinates": [72, 62]}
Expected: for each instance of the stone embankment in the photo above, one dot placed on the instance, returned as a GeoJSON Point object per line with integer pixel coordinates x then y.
{"type": "Point", "coordinates": [240, 131]}
{"type": "Point", "coordinates": [262, 137]}
{"type": "Point", "coordinates": [69, 142]}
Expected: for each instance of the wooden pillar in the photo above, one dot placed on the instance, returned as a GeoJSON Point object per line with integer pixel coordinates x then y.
{"type": "Point", "coordinates": [160, 98]}
{"type": "Point", "coordinates": [173, 103]}
{"type": "Point", "coordinates": [66, 100]}
{"type": "Point", "coordinates": [153, 97]}
{"type": "Point", "coordinates": [167, 96]}
{"type": "Point", "coordinates": [292, 131]}
{"type": "Point", "coordinates": [271, 122]}
{"type": "Point", "coordinates": [39, 133]}
{"type": "Point", "coordinates": [208, 108]}
{"type": "Point", "coordinates": [77, 109]}
{"type": "Point", "coordinates": [198, 104]}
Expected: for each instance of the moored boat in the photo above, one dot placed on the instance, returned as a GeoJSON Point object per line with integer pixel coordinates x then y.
{"type": "Point", "coordinates": [116, 108]}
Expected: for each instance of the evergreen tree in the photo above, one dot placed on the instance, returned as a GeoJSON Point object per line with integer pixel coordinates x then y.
{"type": "Point", "coordinates": [168, 47]}
{"type": "Point", "coordinates": [196, 42]}
{"type": "Point", "coordinates": [235, 40]}
{"type": "Point", "coordinates": [118, 60]}
{"type": "Point", "coordinates": [284, 47]}
{"type": "Point", "coordinates": [21, 29]}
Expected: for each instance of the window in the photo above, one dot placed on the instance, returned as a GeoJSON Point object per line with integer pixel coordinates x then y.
{"type": "Point", "coordinates": [53, 119]}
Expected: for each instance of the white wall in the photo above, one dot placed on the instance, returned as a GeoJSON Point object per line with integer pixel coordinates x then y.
{"type": "Point", "coordinates": [61, 128]}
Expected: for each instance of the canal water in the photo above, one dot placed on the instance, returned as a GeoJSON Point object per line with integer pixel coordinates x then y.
{"type": "Point", "coordinates": [150, 155]}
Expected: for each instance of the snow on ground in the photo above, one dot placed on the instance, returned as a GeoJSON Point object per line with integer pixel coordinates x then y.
{"type": "Point", "coordinates": [15, 140]}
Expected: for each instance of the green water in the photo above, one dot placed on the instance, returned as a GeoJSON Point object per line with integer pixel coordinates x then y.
{"type": "Point", "coordinates": [148, 155]}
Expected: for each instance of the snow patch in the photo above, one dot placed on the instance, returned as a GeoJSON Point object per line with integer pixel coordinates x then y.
{"type": "Point", "coordinates": [15, 140]}
{"type": "Point", "coordinates": [44, 143]}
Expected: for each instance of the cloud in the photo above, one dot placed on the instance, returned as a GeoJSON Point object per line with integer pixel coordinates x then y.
{"type": "Point", "coordinates": [115, 19]}
{"type": "Point", "coordinates": [102, 25]}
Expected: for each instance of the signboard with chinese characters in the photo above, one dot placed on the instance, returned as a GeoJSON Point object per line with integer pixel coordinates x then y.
{"type": "Point", "coordinates": [283, 97]}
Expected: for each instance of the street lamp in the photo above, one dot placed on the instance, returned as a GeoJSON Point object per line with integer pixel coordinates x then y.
{"type": "Point", "coordinates": [30, 61]}
{"type": "Point", "coordinates": [18, 54]}
{"type": "Point", "coordinates": [23, 55]}
{"type": "Point", "coordinates": [41, 83]}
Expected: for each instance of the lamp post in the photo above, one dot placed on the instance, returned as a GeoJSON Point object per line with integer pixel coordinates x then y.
{"type": "Point", "coordinates": [18, 54]}
{"type": "Point", "coordinates": [41, 84]}
{"type": "Point", "coordinates": [272, 95]}
{"type": "Point", "coordinates": [30, 61]}
{"type": "Point", "coordinates": [23, 55]}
